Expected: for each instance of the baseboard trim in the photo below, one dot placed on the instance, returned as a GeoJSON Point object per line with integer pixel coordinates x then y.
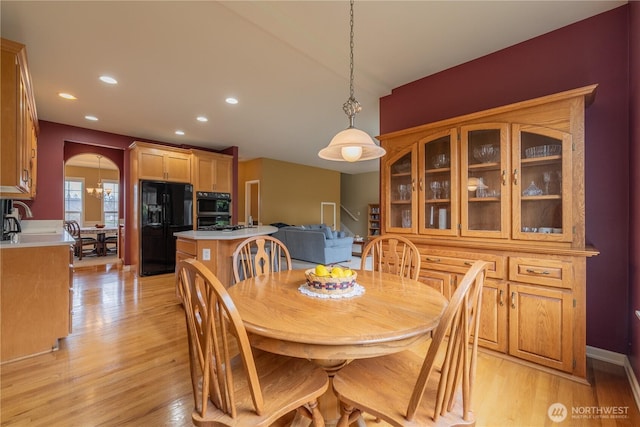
{"type": "Point", "coordinates": [620, 360]}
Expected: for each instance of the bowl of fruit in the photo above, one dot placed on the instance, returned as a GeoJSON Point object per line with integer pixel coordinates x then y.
{"type": "Point", "coordinates": [330, 280]}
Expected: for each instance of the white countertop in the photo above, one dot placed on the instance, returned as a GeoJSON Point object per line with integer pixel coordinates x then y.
{"type": "Point", "coordinates": [26, 240]}
{"type": "Point", "coordinates": [243, 233]}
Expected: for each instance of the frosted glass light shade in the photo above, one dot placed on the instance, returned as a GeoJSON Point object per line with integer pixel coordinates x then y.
{"type": "Point", "coordinates": [351, 145]}
{"type": "Point", "coordinates": [351, 153]}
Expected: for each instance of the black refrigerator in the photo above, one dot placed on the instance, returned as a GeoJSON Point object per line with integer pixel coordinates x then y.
{"type": "Point", "coordinates": [165, 208]}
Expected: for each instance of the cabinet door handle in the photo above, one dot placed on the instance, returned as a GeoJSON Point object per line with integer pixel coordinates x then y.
{"type": "Point", "coordinates": [421, 186]}
{"type": "Point", "coordinates": [413, 184]}
{"type": "Point", "coordinates": [513, 300]}
{"type": "Point", "coordinates": [433, 259]}
{"type": "Point", "coordinates": [515, 176]}
{"type": "Point", "coordinates": [532, 271]}
{"type": "Point", "coordinates": [25, 175]}
{"type": "Point", "coordinates": [504, 177]}
{"type": "Point", "coordinates": [500, 298]}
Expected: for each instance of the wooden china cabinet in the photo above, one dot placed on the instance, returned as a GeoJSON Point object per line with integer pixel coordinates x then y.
{"type": "Point", "coordinates": [504, 185]}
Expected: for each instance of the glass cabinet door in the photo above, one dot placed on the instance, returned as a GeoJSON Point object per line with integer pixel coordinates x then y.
{"type": "Point", "coordinates": [485, 185]}
{"type": "Point", "coordinates": [438, 184]}
{"type": "Point", "coordinates": [401, 194]}
{"type": "Point", "coordinates": [541, 184]}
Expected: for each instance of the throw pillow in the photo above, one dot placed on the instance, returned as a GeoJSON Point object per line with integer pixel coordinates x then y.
{"type": "Point", "coordinates": [327, 232]}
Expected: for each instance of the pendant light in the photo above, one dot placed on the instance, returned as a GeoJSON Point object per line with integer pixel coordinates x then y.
{"type": "Point", "coordinates": [99, 192]}
{"type": "Point", "coordinates": [351, 144]}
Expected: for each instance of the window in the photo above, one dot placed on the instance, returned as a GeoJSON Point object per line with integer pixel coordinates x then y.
{"type": "Point", "coordinates": [110, 202]}
{"type": "Point", "coordinates": [74, 199]}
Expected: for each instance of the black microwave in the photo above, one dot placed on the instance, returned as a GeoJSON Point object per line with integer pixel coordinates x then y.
{"type": "Point", "coordinates": [212, 204]}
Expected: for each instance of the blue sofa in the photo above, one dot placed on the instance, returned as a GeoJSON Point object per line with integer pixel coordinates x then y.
{"type": "Point", "coordinates": [316, 243]}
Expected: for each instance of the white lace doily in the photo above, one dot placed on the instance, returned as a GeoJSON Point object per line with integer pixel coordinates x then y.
{"type": "Point", "coordinates": [357, 291]}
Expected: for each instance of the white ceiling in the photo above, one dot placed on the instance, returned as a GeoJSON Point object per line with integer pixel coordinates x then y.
{"type": "Point", "coordinates": [286, 61]}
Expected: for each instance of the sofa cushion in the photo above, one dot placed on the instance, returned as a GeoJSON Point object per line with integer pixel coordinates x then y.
{"type": "Point", "coordinates": [327, 232]}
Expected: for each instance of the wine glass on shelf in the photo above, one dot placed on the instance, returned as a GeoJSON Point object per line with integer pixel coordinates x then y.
{"type": "Point", "coordinates": [546, 178]}
{"type": "Point", "coordinates": [435, 188]}
{"type": "Point", "coordinates": [445, 189]}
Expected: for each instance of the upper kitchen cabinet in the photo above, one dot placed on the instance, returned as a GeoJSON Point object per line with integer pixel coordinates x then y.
{"type": "Point", "coordinates": [161, 163]}
{"type": "Point", "coordinates": [18, 146]}
{"type": "Point", "coordinates": [212, 171]}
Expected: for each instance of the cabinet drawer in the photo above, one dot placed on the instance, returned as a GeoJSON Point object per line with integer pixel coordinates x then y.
{"type": "Point", "coordinates": [548, 272]}
{"type": "Point", "coordinates": [187, 246]}
{"type": "Point", "coordinates": [459, 262]}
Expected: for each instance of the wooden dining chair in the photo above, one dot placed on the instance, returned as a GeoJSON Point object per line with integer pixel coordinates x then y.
{"type": "Point", "coordinates": [416, 391]}
{"type": "Point", "coordinates": [82, 245]}
{"type": "Point", "coordinates": [245, 387]}
{"type": "Point", "coordinates": [392, 254]}
{"type": "Point", "coordinates": [259, 255]}
{"type": "Point", "coordinates": [111, 244]}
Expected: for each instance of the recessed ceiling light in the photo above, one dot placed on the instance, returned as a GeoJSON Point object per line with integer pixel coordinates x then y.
{"type": "Point", "coordinates": [179, 132]}
{"type": "Point", "coordinates": [66, 95]}
{"type": "Point", "coordinates": [108, 79]}
{"type": "Point", "coordinates": [231, 100]}
{"type": "Point", "coordinates": [92, 118]}
{"type": "Point", "coordinates": [202, 119]}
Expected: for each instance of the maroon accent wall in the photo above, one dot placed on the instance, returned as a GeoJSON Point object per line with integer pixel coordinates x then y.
{"type": "Point", "coordinates": [595, 50]}
{"type": "Point", "coordinates": [634, 109]}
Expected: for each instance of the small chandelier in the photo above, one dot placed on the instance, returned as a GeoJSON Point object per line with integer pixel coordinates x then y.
{"type": "Point", "coordinates": [351, 144]}
{"type": "Point", "coordinates": [99, 192]}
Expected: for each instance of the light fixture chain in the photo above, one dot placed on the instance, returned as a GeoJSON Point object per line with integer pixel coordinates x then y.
{"type": "Point", "coordinates": [351, 52]}
{"type": "Point", "coordinates": [352, 106]}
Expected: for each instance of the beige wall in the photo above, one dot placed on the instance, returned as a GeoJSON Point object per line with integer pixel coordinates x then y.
{"type": "Point", "coordinates": [92, 205]}
{"type": "Point", "coordinates": [290, 193]}
{"type": "Point", "coordinates": [358, 191]}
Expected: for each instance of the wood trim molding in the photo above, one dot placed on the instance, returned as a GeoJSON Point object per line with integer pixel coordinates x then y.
{"type": "Point", "coordinates": [620, 360]}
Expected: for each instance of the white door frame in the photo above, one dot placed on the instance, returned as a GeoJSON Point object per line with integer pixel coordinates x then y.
{"type": "Point", "coordinates": [322, 207]}
{"type": "Point", "coordinates": [248, 208]}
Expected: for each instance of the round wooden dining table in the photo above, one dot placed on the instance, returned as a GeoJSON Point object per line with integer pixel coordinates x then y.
{"type": "Point", "coordinates": [392, 314]}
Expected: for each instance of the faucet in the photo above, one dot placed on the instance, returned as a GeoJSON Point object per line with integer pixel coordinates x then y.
{"type": "Point", "coordinates": [27, 209]}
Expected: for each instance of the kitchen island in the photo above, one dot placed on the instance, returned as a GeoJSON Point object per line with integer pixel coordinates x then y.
{"type": "Point", "coordinates": [35, 292]}
{"type": "Point", "coordinates": [214, 248]}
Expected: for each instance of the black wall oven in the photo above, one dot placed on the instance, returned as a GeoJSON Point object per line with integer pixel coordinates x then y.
{"type": "Point", "coordinates": [212, 209]}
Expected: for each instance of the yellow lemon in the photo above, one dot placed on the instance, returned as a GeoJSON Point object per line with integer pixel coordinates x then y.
{"type": "Point", "coordinates": [321, 270]}
{"type": "Point", "coordinates": [348, 272]}
{"type": "Point", "coordinates": [337, 272]}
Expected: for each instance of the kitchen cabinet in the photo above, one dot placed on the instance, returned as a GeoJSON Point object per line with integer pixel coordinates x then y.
{"type": "Point", "coordinates": [36, 304]}
{"type": "Point", "coordinates": [212, 172]}
{"type": "Point", "coordinates": [19, 130]}
{"type": "Point", "coordinates": [504, 185]}
{"type": "Point", "coordinates": [162, 163]}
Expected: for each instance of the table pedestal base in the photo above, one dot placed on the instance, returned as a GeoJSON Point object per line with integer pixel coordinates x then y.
{"type": "Point", "coordinates": [328, 402]}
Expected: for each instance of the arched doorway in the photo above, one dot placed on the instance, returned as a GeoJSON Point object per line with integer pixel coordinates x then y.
{"type": "Point", "coordinates": [92, 190]}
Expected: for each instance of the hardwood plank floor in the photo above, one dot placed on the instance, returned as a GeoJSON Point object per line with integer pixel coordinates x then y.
{"type": "Point", "coordinates": [126, 364]}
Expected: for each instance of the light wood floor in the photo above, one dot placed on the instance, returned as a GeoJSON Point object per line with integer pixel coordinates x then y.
{"type": "Point", "coordinates": [125, 364]}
